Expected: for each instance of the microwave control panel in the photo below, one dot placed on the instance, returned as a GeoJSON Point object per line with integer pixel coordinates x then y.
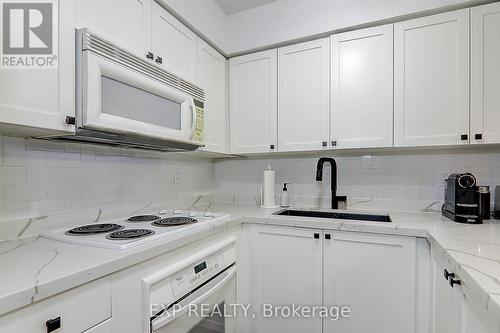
{"type": "Point", "coordinates": [189, 278]}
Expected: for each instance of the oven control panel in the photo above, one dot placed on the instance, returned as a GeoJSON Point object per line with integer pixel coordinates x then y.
{"type": "Point", "coordinates": [198, 273]}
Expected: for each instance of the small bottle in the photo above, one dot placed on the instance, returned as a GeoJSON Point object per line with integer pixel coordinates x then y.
{"type": "Point", "coordinates": [484, 202]}
{"type": "Point", "coordinates": [285, 202]}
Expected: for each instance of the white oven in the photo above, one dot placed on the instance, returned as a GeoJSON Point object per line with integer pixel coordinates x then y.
{"type": "Point", "coordinates": [195, 295]}
{"type": "Point", "coordinates": [120, 93]}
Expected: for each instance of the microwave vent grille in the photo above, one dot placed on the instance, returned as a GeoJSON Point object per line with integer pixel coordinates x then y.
{"type": "Point", "coordinates": [108, 50]}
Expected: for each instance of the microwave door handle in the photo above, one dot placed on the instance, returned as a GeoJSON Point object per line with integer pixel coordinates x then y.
{"type": "Point", "coordinates": [167, 318]}
{"type": "Point", "coordinates": [193, 124]}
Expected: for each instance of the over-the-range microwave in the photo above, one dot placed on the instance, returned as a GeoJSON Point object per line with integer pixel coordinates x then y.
{"type": "Point", "coordinates": [125, 100]}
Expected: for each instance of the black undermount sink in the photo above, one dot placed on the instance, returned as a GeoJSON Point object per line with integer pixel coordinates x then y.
{"type": "Point", "coordinates": [335, 215]}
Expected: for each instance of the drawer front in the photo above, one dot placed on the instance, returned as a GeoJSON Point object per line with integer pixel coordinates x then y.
{"type": "Point", "coordinates": [79, 309]}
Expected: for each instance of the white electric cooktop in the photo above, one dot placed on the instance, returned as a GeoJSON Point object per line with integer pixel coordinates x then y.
{"type": "Point", "coordinates": [133, 231]}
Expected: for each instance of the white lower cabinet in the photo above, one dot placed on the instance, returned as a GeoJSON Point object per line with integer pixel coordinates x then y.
{"type": "Point", "coordinates": [375, 276]}
{"type": "Point", "coordinates": [83, 309]}
{"type": "Point", "coordinates": [104, 327]}
{"type": "Point", "coordinates": [285, 269]}
{"type": "Point", "coordinates": [453, 312]}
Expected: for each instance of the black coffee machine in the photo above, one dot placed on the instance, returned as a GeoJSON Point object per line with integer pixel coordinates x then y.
{"type": "Point", "coordinates": [461, 202]}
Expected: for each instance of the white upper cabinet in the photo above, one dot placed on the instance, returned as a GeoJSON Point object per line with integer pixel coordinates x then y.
{"type": "Point", "coordinates": [173, 44]}
{"type": "Point", "coordinates": [485, 74]}
{"type": "Point", "coordinates": [304, 96]}
{"type": "Point", "coordinates": [362, 88]}
{"type": "Point", "coordinates": [212, 77]}
{"type": "Point", "coordinates": [40, 99]}
{"type": "Point", "coordinates": [126, 23]}
{"type": "Point", "coordinates": [431, 81]}
{"type": "Point", "coordinates": [253, 102]}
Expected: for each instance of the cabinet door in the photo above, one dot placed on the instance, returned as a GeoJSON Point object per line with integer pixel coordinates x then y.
{"type": "Point", "coordinates": [212, 77]}
{"type": "Point", "coordinates": [253, 102]}
{"type": "Point", "coordinates": [174, 43]}
{"type": "Point", "coordinates": [79, 309]}
{"type": "Point", "coordinates": [285, 269]}
{"type": "Point", "coordinates": [362, 88]}
{"type": "Point", "coordinates": [304, 96]}
{"type": "Point", "coordinates": [485, 74]}
{"type": "Point", "coordinates": [431, 82]}
{"type": "Point", "coordinates": [129, 27]}
{"type": "Point", "coordinates": [375, 276]}
{"type": "Point", "coordinates": [447, 311]}
{"type": "Point", "coordinates": [452, 310]}
{"type": "Point", "coordinates": [40, 99]}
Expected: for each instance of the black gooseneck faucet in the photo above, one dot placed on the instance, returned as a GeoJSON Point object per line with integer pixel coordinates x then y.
{"type": "Point", "coordinates": [319, 178]}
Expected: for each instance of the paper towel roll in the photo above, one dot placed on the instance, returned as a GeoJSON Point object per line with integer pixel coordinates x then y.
{"type": "Point", "coordinates": [269, 189]}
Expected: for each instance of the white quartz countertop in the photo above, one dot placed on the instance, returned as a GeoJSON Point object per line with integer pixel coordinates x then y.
{"type": "Point", "coordinates": [36, 268]}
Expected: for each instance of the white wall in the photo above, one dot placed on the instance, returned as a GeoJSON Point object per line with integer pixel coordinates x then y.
{"type": "Point", "coordinates": [286, 20]}
{"type": "Point", "coordinates": [291, 19]}
{"type": "Point", "coordinates": [396, 176]}
{"type": "Point", "coordinates": [41, 178]}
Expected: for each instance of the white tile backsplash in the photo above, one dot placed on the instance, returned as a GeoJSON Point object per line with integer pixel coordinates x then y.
{"type": "Point", "coordinates": [40, 177]}
{"type": "Point", "coordinates": [402, 175]}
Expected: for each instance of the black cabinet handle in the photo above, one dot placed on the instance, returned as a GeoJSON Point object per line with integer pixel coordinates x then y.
{"type": "Point", "coordinates": [271, 147]}
{"type": "Point", "coordinates": [70, 120]}
{"type": "Point", "coordinates": [447, 274]}
{"type": "Point", "coordinates": [53, 324]}
{"type": "Point", "coordinates": [334, 143]}
{"type": "Point", "coordinates": [324, 143]}
{"type": "Point", "coordinates": [464, 137]}
{"type": "Point", "coordinates": [478, 136]}
{"type": "Point", "coordinates": [454, 282]}
{"type": "Point", "coordinates": [328, 236]}
{"type": "Point", "coordinates": [316, 235]}
{"type": "Point", "coordinates": [159, 60]}
{"type": "Point", "coordinates": [150, 55]}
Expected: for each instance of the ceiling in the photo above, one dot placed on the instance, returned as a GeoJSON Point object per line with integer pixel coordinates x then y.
{"type": "Point", "coordinates": [233, 6]}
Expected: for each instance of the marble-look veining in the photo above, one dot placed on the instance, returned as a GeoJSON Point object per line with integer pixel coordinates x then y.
{"type": "Point", "coordinates": [39, 268]}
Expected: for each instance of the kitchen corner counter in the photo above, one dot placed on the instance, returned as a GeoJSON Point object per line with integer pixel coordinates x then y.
{"type": "Point", "coordinates": [36, 268]}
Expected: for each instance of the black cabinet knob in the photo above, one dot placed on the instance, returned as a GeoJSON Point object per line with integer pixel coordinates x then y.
{"type": "Point", "coordinates": [159, 60]}
{"type": "Point", "coordinates": [53, 324]}
{"type": "Point", "coordinates": [316, 235]}
{"type": "Point", "coordinates": [271, 147]}
{"type": "Point", "coordinates": [328, 236]}
{"type": "Point", "coordinates": [454, 282]}
{"type": "Point", "coordinates": [464, 137]}
{"type": "Point", "coordinates": [150, 55]}
{"type": "Point", "coordinates": [324, 143]}
{"type": "Point", "coordinates": [334, 143]}
{"type": "Point", "coordinates": [478, 136]}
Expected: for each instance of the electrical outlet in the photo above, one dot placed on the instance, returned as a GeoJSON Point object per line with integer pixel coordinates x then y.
{"type": "Point", "coordinates": [176, 178]}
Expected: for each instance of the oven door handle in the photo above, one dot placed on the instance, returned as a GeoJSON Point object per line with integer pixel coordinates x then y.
{"type": "Point", "coordinates": [170, 316]}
